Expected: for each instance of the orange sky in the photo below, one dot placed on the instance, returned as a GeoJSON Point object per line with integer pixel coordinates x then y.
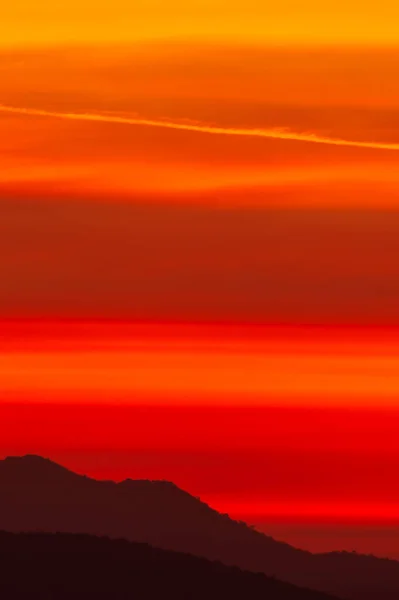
{"type": "Point", "coordinates": [26, 22]}
{"type": "Point", "coordinates": [199, 242]}
{"type": "Point", "coordinates": [191, 365]}
{"type": "Point", "coordinates": [322, 94]}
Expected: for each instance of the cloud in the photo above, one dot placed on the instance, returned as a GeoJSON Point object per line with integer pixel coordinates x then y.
{"type": "Point", "coordinates": [202, 128]}
{"type": "Point", "coordinates": [183, 262]}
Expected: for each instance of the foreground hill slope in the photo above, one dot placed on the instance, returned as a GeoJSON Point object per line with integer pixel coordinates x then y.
{"type": "Point", "coordinates": [65, 566]}
{"type": "Point", "coordinates": [39, 495]}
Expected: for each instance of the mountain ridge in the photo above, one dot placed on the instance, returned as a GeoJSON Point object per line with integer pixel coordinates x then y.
{"type": "Point", "coordinates": [39, 495]}
{"type": "Point", "coordinates": [53, 568]}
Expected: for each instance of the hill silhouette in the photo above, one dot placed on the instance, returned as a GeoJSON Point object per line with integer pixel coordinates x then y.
{"type": "Point", "coordinates": [39, 495]}
{"type": "Point", "coordinates": [65, 566]}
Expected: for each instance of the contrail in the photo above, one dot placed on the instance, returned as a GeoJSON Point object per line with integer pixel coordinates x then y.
{"type": "Point", "coordinates": [272, 133]}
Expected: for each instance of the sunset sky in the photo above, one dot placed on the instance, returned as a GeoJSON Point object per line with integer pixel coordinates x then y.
{"type": "Point", "coordinates": [199, 252]}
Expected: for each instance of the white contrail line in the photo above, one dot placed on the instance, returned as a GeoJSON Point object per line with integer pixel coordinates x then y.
{"type": "Point", "coordinates": [272, 133]}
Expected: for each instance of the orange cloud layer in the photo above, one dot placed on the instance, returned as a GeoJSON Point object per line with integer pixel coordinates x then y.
{"type": "Point", "coordinates": [281, 370]}
{"type": "Point", "coordinates": [271, 134]}
{"type": "Point", "coordinates": [257, 132]}
{"type": "Point", "coordinates": [152, 261]}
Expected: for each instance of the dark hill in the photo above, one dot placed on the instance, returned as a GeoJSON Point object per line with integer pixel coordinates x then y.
{"type": "Point", "coordinates": [66, 566]}
{"type": "Point", "coordinates": [38, 495]}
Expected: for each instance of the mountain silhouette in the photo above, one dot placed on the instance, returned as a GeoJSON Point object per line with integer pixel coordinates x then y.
{"type": "Point", "coordinates": [38, 495]}
{"type": "Point", "coordinates": [65, 566]}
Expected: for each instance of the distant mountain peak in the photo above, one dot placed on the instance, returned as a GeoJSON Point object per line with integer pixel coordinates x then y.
{"type": "Point", "coordinates": [34, 467]}
{"type": "Point", "coordinates": [29, 458]}
{"type": "Point", "coordinates": [32, 460]}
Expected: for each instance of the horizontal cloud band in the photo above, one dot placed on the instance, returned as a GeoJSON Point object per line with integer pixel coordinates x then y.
{"type": "Point", "coordinates": [272, 133]}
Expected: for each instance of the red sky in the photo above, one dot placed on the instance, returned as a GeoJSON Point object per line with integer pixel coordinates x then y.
{"type": "Point", "coordinates": [199, 242]}
{"type": "Point", "coordinates": [273, 424]}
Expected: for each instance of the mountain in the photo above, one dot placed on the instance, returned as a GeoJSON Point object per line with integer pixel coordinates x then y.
{"type": "Point", "coordinates": [64, 566]}
{"type": "Point", "coordinates": [38, 495]}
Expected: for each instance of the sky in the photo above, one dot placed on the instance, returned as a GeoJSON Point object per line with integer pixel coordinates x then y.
{"type": "Point", "coordinates": [199, 242]}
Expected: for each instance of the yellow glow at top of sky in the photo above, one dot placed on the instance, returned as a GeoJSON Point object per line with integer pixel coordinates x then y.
{"type": "Point", "coordinates": [48, 22]}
